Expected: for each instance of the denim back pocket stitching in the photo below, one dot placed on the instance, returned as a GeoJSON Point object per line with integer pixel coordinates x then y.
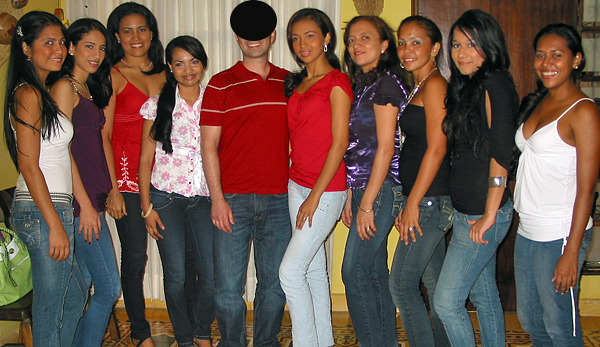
{"type": "Point", "coordinates": [446, 215]}
{"type": "Point", "coordinates": [29, 230]}
{"type": "Point", "coordinates": [399, 201]}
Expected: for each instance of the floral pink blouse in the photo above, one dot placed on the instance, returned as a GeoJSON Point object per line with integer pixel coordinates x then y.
{"type": "Point", "coordinates": [180, 172]}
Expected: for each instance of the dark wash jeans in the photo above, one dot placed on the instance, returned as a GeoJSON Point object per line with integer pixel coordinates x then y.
{"type": "Point", "coordinates": [265, 221]}
{"type": "Point", "coordinates": [186, 219]}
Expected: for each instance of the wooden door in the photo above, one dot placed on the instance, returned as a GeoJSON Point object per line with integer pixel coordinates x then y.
{"type": "Point", "coordinates": [520, 20]}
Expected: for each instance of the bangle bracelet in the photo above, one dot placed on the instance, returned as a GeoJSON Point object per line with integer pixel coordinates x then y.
{"type": "Point", "coordinates": [145, 215]}
{"type": "Point", "coordinates": [497, 182]}
{"type": "Point", "coordinates": [363, 210]}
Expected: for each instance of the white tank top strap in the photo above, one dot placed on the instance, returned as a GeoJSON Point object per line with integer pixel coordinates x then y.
{"type": "Point", "coordinates": [573, 105]}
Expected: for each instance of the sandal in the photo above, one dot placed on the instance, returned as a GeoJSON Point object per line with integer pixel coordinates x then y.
{"type": "Point", "coordinates": [140, 342]}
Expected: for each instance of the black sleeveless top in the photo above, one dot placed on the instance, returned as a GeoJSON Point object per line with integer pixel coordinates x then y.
{"type": "Point", "coordinates": [413, 125]}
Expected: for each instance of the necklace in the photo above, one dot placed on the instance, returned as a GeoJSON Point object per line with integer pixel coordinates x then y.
{"type": "Point", "coordinates": [137, 68]}
{"type": "Point", "coordinates": [416, 89]}
{"type": "Point", "coordinates": [84, 85]}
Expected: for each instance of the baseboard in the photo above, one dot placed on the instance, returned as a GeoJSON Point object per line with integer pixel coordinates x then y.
{"type": "Point", "coordinates": [587, 307]}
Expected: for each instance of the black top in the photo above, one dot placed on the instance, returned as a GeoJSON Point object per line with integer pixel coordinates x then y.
{"type": "Point", "coordinates": [413, 124]}
{"type": "Point", "coordinates": [469, 172]}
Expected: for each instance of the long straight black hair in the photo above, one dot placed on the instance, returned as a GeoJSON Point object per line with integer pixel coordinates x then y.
{"type": "Point", "coordinates": [463, 122]}
{"type": "Point", "coordinates": [99, 82]}
{"type": "Point", "coordinates": [22, 71]}
{"type": "Point", "coordinates": [161, 129]}
{"type": "Point", "coordinates": [155, 52]}
{"type": "Point", "coordinates": [324, 23]}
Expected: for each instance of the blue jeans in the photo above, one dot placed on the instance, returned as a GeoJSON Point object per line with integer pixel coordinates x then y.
{"type": "Point", "coordinates": [418, 260]}
{"type": "Point", "coordinates": [265, 221]}
{"type": "Point", "coordinates": [365, 272]}
{"type": "Point", "coordinates": [469, 271]}
{"type": "Point", "coordinates": [181, 215]}
{"type": "Point", "coordinates": [59, 292]}
{"type": "Point", "coordinates": [545, 314]}
{"type": "Point", "coordinates": [98, 266]}
{"type": "Point", "coordinates": [303, 270]}
{"type": "Point", "coordinates": [134, 243]}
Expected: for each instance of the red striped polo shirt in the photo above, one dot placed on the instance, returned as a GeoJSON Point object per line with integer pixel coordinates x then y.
{"type": "Point", "coordinates": [252, 114]}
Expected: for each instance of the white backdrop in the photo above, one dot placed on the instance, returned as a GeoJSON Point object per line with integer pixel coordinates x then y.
{"type": "Point", "coordinates": [207, 20]}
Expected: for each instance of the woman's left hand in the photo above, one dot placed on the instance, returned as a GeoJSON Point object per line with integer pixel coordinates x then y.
{"type": "Point", "coordinates": [479, 228]}
{"type": "Point", "coordinates": [89, 223]}
{"type": "Point", "coordinates": [306, 211]}
{"type": "Point", "coordinates": [565, 274]}
{"type": "Point", "coordinates": [365, 224]}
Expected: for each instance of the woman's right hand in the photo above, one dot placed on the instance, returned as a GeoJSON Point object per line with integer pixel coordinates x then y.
{"type": "Point", "coordinates": [59, 243]}
{"type": "Point", "coordinates": [115, 204]}
{"type": "Point", "coordinates": [407, 222]}
{"type": "Point", "coordinates": [152, 221]}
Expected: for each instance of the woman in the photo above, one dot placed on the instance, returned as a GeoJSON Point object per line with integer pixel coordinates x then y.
{"type": "Point", "coordinates": [372, 162]}
{"type": "Point", "coordinates": [480, 125]}
{"type": "Point", "coordinates": [424, 172]}
{"type": "Point", "coordinates": [81, 94]}
{"type": "Point", "coordinates": [137, 74]}
{"type": "Point", "coordinates": [173, 191]}
{"type": "Point", "coordinates": [318, 114]}
{"type": "Point", "coordinates": [38, 136]}
{"type": "Point", "coordinates": [559, 136]}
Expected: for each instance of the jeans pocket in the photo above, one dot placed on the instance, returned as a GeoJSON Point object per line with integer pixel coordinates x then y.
{"type": "Point", "coordinates": [68, 217]}
{"type": "Point", "coordinates": [426, 207]}
{"type": "Point", "coordinates": [399, 201]}
{"type": "Point", "coordinates": [160, 200]}
{"type": "Point", "coordinates": [446, 215]}
{"type": "Point", "coordinates": [28, 229]}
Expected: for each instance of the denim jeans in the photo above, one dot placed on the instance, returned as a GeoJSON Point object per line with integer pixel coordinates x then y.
{"type": "Point", "coordinates": [265, 221]}
{"type": "Point", "coordinates": [365, 272]}
{"type": "Point", "coordinates": [303, 270]}
{"type": "Point", "coordinates": [98, 266]}
{"type": "Point", "coordinates": [134, 243]}
{"type": "Point", "coordinates": [418, 260]}
{"type": "Point", "coordinates": [545, 314]}
{"type": "Point", "coordinates": [469, 271]}
{"type": "Point", "coordinates": [181, 215]}
{"type": "Point", "coordinates": [59, 292]}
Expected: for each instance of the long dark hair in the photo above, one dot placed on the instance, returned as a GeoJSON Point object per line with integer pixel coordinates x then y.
{"type": "Point", "coordinates": [99, 82]}
{"type": "Point", "coordinates": [161, 129]}
{"type": "Point", "coordinates": [324, 23]}
{"type": "Point", "coordinates": [573, 40]}
{"type": "Point", "coordinates": [388, 61]}
{"type": "Point", "coordinates": [22, 71]}
{"type": "Point", "coordinates": [463, 122]}
{"type": "Point", "coordinates": [155, 52]}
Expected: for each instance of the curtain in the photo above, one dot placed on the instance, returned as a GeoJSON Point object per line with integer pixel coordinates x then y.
{"type": "Point", "coordinates": [207, 20]}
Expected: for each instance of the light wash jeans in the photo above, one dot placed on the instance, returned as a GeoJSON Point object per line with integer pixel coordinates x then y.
{"type": "Point", "coordinates": [59, 292]}
{"type": "Point", "coordinates": [303, 270]}
{"type": "Point", "coordinates": [263, 219]}
{"type": "Point", "coordinates": [418, 260]}
{"type": "Point", "coordinates": [545, 314]}
{"type": "Point", "coordinates": [469, 271]}
{"type": "Point", "coordinates": [365, 272]}
{"type": "Point", "coordinates": [98, 266]}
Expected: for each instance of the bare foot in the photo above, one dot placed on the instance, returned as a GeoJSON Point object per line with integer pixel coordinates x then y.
{"type": "Point", "coordinates": [146, 343]}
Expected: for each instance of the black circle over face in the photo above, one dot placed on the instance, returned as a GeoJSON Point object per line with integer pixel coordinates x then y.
{"type": "Point", "coordinates": [253, 20]}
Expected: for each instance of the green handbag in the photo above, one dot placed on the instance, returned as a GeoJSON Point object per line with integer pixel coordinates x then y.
{"type": "Point", "coordinates": [15, 268]}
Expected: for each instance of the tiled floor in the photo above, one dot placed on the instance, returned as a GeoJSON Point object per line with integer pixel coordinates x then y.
{"type": "Point", "coordinates": [162, 330]}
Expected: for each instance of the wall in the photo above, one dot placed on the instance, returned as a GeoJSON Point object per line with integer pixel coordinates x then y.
{"type": "Point", "coordinates": [393, 13]}
{"type": "Point", "coordinates": [8, 174]}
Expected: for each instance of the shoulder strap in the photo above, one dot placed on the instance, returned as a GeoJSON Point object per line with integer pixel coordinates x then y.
{"type": "Point", "coordinates": [573, 105]}
{"type": "Point", "coordinates": [119, 71]}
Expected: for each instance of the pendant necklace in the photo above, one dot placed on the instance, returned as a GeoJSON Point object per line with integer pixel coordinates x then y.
{"type": "Point", "coordinates": [84, 85]}
{"type": "Point", "coordinates": [416, 89]}
{"type": "Point", "coordinates": [137, 68]}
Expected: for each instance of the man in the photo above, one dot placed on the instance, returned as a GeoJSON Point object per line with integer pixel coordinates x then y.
{"type": "Point", "coordinates": [245, 156]}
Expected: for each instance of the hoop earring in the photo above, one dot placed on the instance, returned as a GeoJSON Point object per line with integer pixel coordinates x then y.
{"type": "Point", "coordinates": [325, 49]}
{"type": "Point", "coordinates": [401, 65]}
{"type": "Point", "coordinates": [29, 59]}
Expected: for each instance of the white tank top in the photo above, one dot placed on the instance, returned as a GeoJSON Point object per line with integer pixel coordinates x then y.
{"type": "Point", "coordinates": [55, 160]}
{"type": "Point", "coordinates": [546, 183]}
